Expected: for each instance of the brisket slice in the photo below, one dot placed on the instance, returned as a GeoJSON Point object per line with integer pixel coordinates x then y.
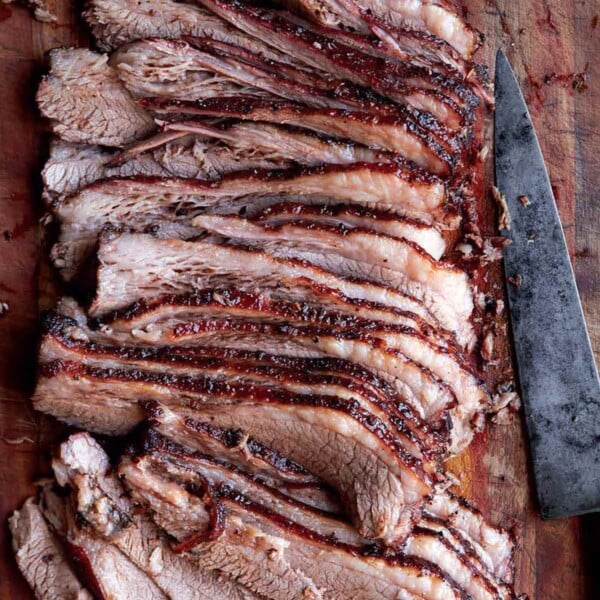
{"type": "Point", "coordinates": [488, 548]}
{"type": "Point", "coordinates": [213, 151]}
{"type": "Point", "coordinates": [325, 309]}
{"type": "Point", "coordinates": [173, 266]}
{"type": "Point", "coordinates": [451, 101]}
{"type": "Point", "coordinates": [138, 539]}
{"type": "Point", "coordinates": [86, 103]}
{"type": "Point", "coordinates": [115, 23]}
{"type": "Point", "coordinates": [41, 556]}
{"type": "Point", "coordinates": [428, 541]}
{"type": "Point", "coordinates": [390, 21]}
{"type": "Point", "coordinates": [228, 304]}
{"type": "Point", "coordinates": [344, 249]}
{"type": "Point", "coordinates": [260, 547]}
{"type": "Point", "coordinates": [428, 395]}
{"type": "Point", "coordinates": [383, 487]}
{"type": "Point", "coordinates": [197, 150]}
{"type": "Point", "coordinates": [397, 187]}
{"type": "Point", "coordinates": [63, 340]}
{"type": "Point", "coordinates": [400, 134]}
{"type": "Point", "coordinates": [168, 206]}
{"type": "Point", "coordinates": [71, 167]}
{"type": "Point", "coordinates": [235, 448]}
{"type": "Point", "coordinates": [355, 216]}
{"type": "Point", "coordinates": [317, 300]}
{"type": "Point", "coordinates": [178, 70]}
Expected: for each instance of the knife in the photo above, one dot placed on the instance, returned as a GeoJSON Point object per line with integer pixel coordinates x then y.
{"type": "Point", "coordinates": [556, 368]}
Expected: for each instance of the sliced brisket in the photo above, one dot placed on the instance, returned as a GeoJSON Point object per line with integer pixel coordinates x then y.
{"type": "Point", "coordinates": [167, 207]}
{"type": "Point", "coordinates": [400, 133]}
{"type": "Point", "coordinates": [71, 167]}
{"type": "Point", "coordinates": [314, 431]}
{"type": "Point", "coordinates": [115, 23]}
{"type": "Point", "coordinates": [276, 556]}
{"type": "Point", "coordinates": [345, 252]}
{"type": "Point", "coordinates": [227, 305]}
{"type": "Point", "coordinates": [449, 100]}
{"type": "Point", "coordinates": [42, 558]}
{"type": "Point", "coordinates": [86, 103]}
{"type": "Point", "coordinates": [173, 266]}
{"type": "Point", "coordinates": [426, 393]}
{"type": "Point", "coordinates": [178, 70]}
{"type": "Point", "coordinates": [65, 341]}
{"type": "Point", "coordinates": [389, 21]}
{"type": "Point", "coordinates": [137, 538]}
{"type": "Point", "coordinates": [429, 540]}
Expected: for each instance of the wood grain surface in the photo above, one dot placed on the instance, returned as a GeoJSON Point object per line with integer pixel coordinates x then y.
{"type": "Point", "coordinates": [554, 47]}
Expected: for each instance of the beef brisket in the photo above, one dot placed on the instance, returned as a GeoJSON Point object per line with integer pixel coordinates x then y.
{"type": "Point", "coordinates": [64, 340]}
{"type": "Point", "coordinates": [86, 103]}
{"type": "Point", "coordinates": [270, 211]}
{"type": "Point", "coordinates": [173, 266]}
{"type": "Point", "coordinates": [315, 431]}
{"type": "Point", "coordinates": [136, 542]}
{"type": "Point", "coordinates": [449, 100]}
{"type": "Point", "coordinates": [254, 310]}
{"type": "Point", "coordinates": [167, 206]}
{"type": "Point", "coordinates": [115, 23]}
{"type": "Point", "coordinates": [399, 133]}
{"type": "Point", "coordinates": [282, 553]}
{"type": "Point", "coordinates": [430, 540]}
{"type": "Point", "coordinates": [390, 22]}
{"type": "Point", "coordinates": [195, 70]}
{"type": "Point", "coordinates": [346, 252]}
{"type": "Point", "coordinates": [71, 167]}
{"type": "Point", "coordinates": [42, 557]}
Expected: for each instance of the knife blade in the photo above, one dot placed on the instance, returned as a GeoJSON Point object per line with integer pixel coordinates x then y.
{"type": "Point", "coordinates": [555, 363]}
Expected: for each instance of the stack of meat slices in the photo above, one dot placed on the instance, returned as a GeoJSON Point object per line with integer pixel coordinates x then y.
{"type": "Point", "coordinates": [260, 209]}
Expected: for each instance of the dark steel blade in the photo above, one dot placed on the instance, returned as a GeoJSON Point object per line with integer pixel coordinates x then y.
{"type": "Point", "coordinates": [557, 371]}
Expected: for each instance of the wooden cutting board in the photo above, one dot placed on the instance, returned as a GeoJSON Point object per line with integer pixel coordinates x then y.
{"type": "Point", "coordinates": [554, 47]}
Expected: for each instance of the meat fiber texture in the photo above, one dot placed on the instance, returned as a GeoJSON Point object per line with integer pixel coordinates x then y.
{"type": "Point", "coordinates": [260, 208]}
